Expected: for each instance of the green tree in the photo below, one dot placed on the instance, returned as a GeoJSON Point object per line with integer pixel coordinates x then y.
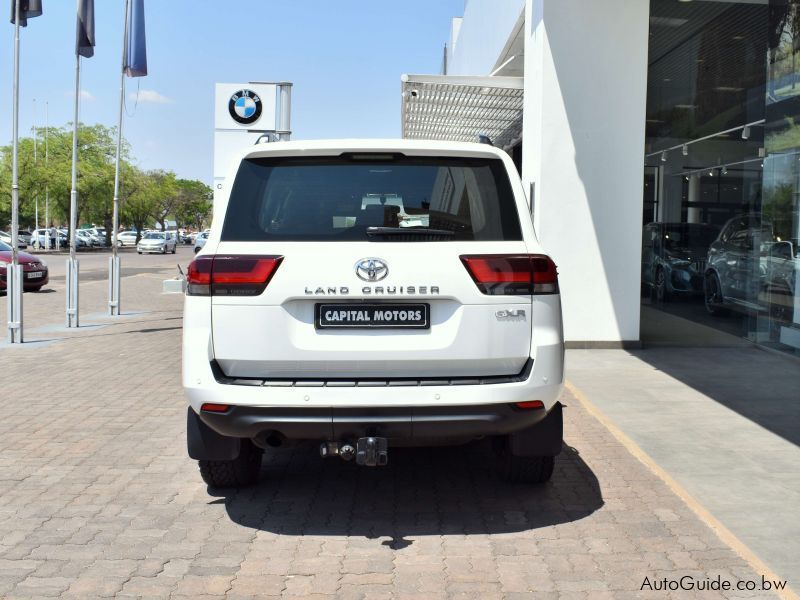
{"type": "Point", "coordinates": [139, 206]}
{"type": "Point", "coordinates": [194, 203]}
{"type": "Point", "coordinates": [165, 194]}
{"type": "Point", "coordinates": [144, 196]}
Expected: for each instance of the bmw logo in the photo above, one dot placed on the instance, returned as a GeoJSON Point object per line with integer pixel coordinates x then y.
{"type": "Point", "coordinates": [245, 107]}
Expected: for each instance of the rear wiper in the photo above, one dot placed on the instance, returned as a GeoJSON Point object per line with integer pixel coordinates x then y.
{"type": "Point", "coordinates": [409, 231]}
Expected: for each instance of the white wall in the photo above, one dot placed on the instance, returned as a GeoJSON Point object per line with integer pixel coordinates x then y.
{"type": "Point", "coordinates": [583, 146]}
{"type": "Point", "coordinates": [481, 35]}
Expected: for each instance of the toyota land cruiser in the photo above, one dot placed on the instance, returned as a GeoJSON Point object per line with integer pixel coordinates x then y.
{"type": "Point", "coordinates": [367, 295]}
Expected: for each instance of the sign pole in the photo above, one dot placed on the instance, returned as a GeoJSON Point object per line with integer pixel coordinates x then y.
{"type": "Point", "coordinates": [72, 261]}
{"type": "Point", "coordinates": [14, 271]}
{"type": "Point", "coordinates": [113, 261]}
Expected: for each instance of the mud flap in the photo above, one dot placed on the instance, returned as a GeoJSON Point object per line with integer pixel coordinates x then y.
{"type": "Point", "coordinates": [542, 439]}
{"type": "Point", "coordinates": [204, 443]}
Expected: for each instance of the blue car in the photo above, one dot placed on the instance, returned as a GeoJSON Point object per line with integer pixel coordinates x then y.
{"type": "Point", "coordinates": [674, 258]}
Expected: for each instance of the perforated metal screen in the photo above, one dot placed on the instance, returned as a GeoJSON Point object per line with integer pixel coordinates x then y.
{"type": "Point", "coordinates": [446, 107]}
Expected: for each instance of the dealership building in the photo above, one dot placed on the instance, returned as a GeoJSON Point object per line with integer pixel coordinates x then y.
{"type": "Point", "coordinates": [659, 142]}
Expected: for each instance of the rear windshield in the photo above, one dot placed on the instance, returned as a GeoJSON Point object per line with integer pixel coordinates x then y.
{"type": "Point", "coordinates": [370, 198]}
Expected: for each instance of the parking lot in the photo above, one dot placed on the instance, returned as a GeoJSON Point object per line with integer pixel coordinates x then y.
{"type": "Point", "coordinates": [99, 498]}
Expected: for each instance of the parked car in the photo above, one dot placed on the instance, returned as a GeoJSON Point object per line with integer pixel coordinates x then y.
{"type": "Point", "coordinates": [127, 238]}
{"type": "Point", "coordinates": [34, 269]}
{"type": "Point", "coordinates": [25, 236]}
{"type": "Point", "coordinates": [81, 243]}
{"type": "Point", "coordinates": [782, 265]}
{"type": "Point", "coordinates": [98, 238]}
{"type": "Point", "coordinates": [674, 258]}
{"type": "Point", "coordinates": [38, 239]}
{"type": "Point", "coordinates": [310, 317]}
{"type": "Point", "coordinates": [6, 237]}
{"type": "Point", "coordinates": [157, 242]}
{"type": "Point", "coordinates": [200, 241]}
{"type": "Point", "coordinates": [89, 239]}
{"type": "Point", "coordinates": [735, 273]}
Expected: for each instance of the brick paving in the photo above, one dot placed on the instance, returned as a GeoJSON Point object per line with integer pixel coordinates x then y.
{"type": "Point", "coordinates": [98, 498]}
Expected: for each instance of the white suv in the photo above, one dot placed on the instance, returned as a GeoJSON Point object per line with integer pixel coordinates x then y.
{"type": "Point", "coordinates": [371, 294]}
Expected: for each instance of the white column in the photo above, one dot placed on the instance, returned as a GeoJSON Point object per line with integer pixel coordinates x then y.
{"type": "Point", "coordinates": [583, 147]}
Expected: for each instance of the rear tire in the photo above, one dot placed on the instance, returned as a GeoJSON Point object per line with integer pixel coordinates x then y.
{"type": "Point", "coordinates": [660, 289]}
{"type": "Point", "coordinates": [526, 469]}
{"type": "Point", "coordinates": [712, 296]}
{"type": "Point", "coordinates": [242, 470]}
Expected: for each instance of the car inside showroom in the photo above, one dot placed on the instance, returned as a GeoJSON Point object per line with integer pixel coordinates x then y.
{"type": "Point", "coordinates": [721, 217]}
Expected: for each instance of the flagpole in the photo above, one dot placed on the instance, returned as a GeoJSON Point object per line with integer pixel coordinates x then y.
{"type": "Point", "coordinates": [72, 261]}
{"type": "Point", "coordinates": [35, 159]}
{"type": "Point", "coordinates": [114, 261]}
{"type": "Point", "coordinates": [46, 182]}
{"type": "Point", "coordinates": [14, 274]}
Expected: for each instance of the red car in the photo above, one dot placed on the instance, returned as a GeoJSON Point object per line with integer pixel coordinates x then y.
{"type": "Point", "coordinates": [34, 269]}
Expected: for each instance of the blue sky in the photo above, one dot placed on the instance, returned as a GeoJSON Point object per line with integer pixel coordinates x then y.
{"type": "Point", "coordinates": [345, 58]}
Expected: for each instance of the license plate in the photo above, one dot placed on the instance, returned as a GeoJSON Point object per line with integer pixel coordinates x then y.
{"type": "Point", "coordinates": [372, 316]}
{"type": "Point", "coordinates": [35, 274]}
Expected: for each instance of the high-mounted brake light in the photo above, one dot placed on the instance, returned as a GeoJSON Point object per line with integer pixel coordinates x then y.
{"type": "Point", "coordinates": [219, 275]}
{"type": "Point", "coordinates": [512, 274]}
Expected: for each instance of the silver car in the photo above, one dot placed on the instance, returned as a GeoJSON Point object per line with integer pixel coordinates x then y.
{"type": "Point", "coordinates": [126, 238]}
{"type": "Point", "coordinates": [6, 237]}
{"type": "Point", "coordinates": [154, 241]}
{"type": "Point", "coordinates": [200, 241]}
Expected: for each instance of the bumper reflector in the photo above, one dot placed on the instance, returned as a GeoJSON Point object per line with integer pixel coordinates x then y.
{"type": "Point", "coordinates": [218, 408]}
{"type": "Point", "coordinates": [530, 404]}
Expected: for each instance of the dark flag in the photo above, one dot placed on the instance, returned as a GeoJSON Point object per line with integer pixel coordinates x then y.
{"type": "Point", "coordinates": [135, 48]}
{"type": "Point", "coordinates": [27, 10]}
{"type": "Point", "coordinates": [84, 38]}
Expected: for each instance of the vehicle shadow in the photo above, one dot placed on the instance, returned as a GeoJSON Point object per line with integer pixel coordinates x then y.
{"type": "Point", "coordinates": [759, 385]}
{"type": "Point", "coordinates": [423, 491]}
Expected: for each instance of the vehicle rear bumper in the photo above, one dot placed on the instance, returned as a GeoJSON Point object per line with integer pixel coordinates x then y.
{"type": "Point", "coordinates": [418, 423]}
{"type": "Point", "coordinates": [543, 381]}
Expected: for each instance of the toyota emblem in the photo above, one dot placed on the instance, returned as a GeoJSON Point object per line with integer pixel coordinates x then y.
{"type": "Point", "coordinates": [371, 269]}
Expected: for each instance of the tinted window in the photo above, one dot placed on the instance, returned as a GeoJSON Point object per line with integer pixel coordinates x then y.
{"type": "Point", "coordinates": [338, 199]}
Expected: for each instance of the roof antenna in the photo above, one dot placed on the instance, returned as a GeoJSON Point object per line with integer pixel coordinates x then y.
{"type": "Point", "coordinates": [484, 139]}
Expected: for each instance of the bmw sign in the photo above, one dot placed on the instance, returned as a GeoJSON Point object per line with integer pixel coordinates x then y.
{"type": "Point", "coordinates": [245, 107]}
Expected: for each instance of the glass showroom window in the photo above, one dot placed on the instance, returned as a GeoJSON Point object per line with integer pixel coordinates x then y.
{"type": "Point", "coordinates": [779, 258]}
{"type": "Point", "coordinates": [702, 205]}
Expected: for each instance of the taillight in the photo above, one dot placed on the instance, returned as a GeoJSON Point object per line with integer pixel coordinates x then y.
{"type": "Point", "coordinates": [219, 275]}
{"type": "Point", "coordinates": [198, 276]}
{"type": "Point", "coordinates": [512, 274]}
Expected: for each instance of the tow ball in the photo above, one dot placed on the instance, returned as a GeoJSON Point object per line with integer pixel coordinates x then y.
{"type": "Point", "coordinates": [368, 451]}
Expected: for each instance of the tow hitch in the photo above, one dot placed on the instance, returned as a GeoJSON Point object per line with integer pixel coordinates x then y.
{"type": "Point", "coordinates": [368, 451]}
